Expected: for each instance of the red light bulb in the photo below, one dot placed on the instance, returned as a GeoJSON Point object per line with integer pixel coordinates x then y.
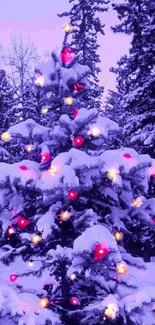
{"type": "Point", "coordinates": [72, 195]}
{"type": "Point", "coordinates": [75, 112]}
{"type": "Point", "coordinates": [22, 223]}
{"type": "Point", "coordinates": [13, 277]}
{"type": "Point", "coordinates": [45, 157]}
{"type": "Point", "coordinates": [74, 301]}
{"type": "Point", "coordinates": [127, 155]}
{"type": "Point", "coordinates": [67, 55]}
{"type": "Point", "coordinates": [100, 251]}
{"type": "Point", "coordinates": [23, 167]}
{"type": "Point", "coordinates": [79, 141]}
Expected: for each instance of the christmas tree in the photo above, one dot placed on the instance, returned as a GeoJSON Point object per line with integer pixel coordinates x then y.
{"type": "Point", "coordinates": [63, 212]}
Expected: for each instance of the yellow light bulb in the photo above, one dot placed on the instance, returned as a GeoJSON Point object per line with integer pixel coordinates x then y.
{"type": "Point", "coordinates": [39, 81]}
{"type": "Point", "coordinates": [110, 311]}
{"type": "Point", "coordinates": [118, 235]}
{"type": "Point", "coordinates": [65, 215]}
{"type": "Point", "coordinates": [36, 239]}
{"type": "Point", "coordinates": [137, 202]}
{"type": "Point", "coordinates": [67, 28]}
{"type": "Point", "coordinates": [122, 268]}
{"type": "Point", "coordinates": [44, 302]}
{"type": "Point", "coordinates": [6, 137]}
{"type": "Point", "coordinates": [112, 174]}
{"type": "Point", "coordinates": [31, 263]}
{"type": "Point", "coordinates": [53, 170]}
{"type": "Point", "coordinates": [69, 100]}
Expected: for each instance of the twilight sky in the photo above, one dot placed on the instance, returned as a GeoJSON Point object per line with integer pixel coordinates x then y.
{"type": "Point", "coordinates": [39, 19]}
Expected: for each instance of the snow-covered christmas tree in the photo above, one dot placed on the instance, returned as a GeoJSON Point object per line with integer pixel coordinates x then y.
{"type": "Point", "coordinates": [66, 207]}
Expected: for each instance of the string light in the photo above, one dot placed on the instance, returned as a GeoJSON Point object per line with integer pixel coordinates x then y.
{"type": "Point", "coordinates": [44, 110]}
{"type": "Point", "coordinates": [112, 174]}
{"type": "Point", "coordinates": [53, 170]}
{"type": "Point", "coordinates": [100, 251]}
{"type": "Point", "coordinates": [28, 148]}
{"type": "Point", "coordinates": [6, 137]}
{"type": "Point", "coordinates": [74, 301]}
{"type": "Point", "coordinates": [40, 80]}
{"type": "Point", "coordinates": [11, 231]}
{"type": "Point", "coordinates": [67, 28]}
{"type": "Point", "coordinates": [73, 277]}
{"type": "Point", "coordinates": [95, 131]}
{"type": "Point", "coordinates": [110, 311]}
{"type": "Point", "coordinates": [13, 277]}
{"type": "Point", "coordinates": [44, 302]}
{"type": "Point", "coordinates": [72, 195]}
{"type": "Point", "coordinates": [118, 235]}
{"type": "Point", "coordinates": [36, 239]}
{"type": "Point", "coordinates": [78, 141]}
{"type": "Point", "coordinates": [68, 100]}
{"type": "Point", "coordinates": [122, 268]}
{"type": "Point", "coordinates": [65, 215]}
{"type": "Point", "coordinates": [137, 202]}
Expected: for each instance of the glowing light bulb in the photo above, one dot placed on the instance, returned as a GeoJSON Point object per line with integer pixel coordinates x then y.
{"type": "Point", "coordinates": [36, 239]}
{"type": "Point", "coordinates": [122, 268]}
{"type": "Point", "coordinates": [73, 277]}
{"type": "Point", "coordinates": [28, 148]}
{"type": "Point", "coordinates": [74, 301]}
{"type": "Point", "coordinates": [67, 28]}
{"type": "Point", "coordinates": [31, 263]}
{"type": "Point", "coordinates": [112, 174]}
{"type": "Point", "coordinates": [95, 131]}
{"type": "Point", "coordinates": [44, 302]}
{"type": "Point", "coordinates": [118, 235]}
{"type": "Point", "coordinates": [137, 202]}
{"type": "Point", "coordinates": [6, 137]}
{"type": "Point", "coordinates": [65, 215]}
{"type": "Point", "coordinates": [110, 311]}
{"type": "Point", "coordinates": [40, 80]}
{"type": "Point", "coordinates": [53, 170]}
{"type": "Point", "coordinates": [11, 231]}
{"type": "Point", "coordinates": [13, 277]}
{"type": "Point", "coordinates": [69, 100]}
{"type": "Point", "coordinates": [44, 110]}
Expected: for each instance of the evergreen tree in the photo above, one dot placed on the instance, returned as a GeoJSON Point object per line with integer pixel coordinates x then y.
{"type": "Point", "coordinates": [86, 24]}
{"type": "Point", "coordinates": [112, 107]}
{"type": "Point", "coordinates": [135, 73]}
{"type": "Point", "coordinates": [54, 218]}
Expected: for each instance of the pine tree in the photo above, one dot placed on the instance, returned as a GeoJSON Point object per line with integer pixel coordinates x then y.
{"type": "Point", "coordinates": [55, 225]}
{"type": "Point", "coordinates": [135, 73]}
{"type": "Point", "coordinates": [87, 25]}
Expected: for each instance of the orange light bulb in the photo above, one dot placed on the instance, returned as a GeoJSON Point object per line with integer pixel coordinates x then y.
{"type": "Point", "coordinates": [65, 215]}
{"type": "Point", "coordinates": [118, 235]}
{"type": "Point", "coordinates": [69, 100]}
{"type": "Point", "coordinates": [44, 302]}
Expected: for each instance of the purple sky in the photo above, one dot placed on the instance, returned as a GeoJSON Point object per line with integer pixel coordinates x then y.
{"type": "Point", "coordinates": [40, 21]}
